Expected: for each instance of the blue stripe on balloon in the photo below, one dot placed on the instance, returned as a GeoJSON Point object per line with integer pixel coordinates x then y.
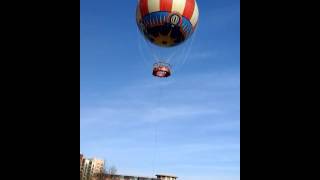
{"type": "Point", "coordinates": [155, 16]}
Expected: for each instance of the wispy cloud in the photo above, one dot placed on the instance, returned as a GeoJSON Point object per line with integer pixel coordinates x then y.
{"type": "Point", "coordinates": [187, 125]}
{"type": "Point", "coordinates": [204, 55]}
{"type": "Point", "coordinates": [220, 17]}
{"type": "Point", "coordinates": [193, 119]}
{"type": "Point", "coordinates": [153, 101]}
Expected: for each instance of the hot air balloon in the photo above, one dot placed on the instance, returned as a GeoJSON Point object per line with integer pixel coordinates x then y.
{"type": "Point", "coordinates": [166, 24]}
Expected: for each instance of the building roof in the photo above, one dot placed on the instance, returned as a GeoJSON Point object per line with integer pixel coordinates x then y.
{"type": "Point", "coordinates": [132, 176]}
{"type": "Point", "coordinates": [166, 175]}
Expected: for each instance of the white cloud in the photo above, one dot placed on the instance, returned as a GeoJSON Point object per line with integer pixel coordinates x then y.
{"type": "Point", "coordinates": [203, 54]}
{"type": "Point", "coordinates": [121, 127]}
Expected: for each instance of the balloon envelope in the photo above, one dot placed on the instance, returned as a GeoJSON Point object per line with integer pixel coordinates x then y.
{"type": "Point", "coordinates": [167, 23]}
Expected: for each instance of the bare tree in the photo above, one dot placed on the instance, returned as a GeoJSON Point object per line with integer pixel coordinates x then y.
{"type": "Point", "coordinates": [112, 170]}
{"type": "Point", "coordinates": [101, 175]}
{"type": "Point", "coordinates": [109, 171]}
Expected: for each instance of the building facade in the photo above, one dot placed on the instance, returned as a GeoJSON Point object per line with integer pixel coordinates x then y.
{"type": "Point", "coordinates": [166, 177]}
{"type": "Point", "coordinates": [122, 177]}
{"type": "Point", "coordinates": [81, 164]}
{"type": "Point", "coordinates": [91, 168]}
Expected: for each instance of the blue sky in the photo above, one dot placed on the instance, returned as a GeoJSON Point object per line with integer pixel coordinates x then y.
{"type": "Point", "coordinates": [187, 125]}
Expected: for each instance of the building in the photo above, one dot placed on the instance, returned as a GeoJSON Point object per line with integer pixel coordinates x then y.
{"type": "Point", "coordinates": [122, 177]}
{"type": "Point", "coordinates": [81, 158]}
{"type": "Point", "coordinates": [91, 168]}
{"type": "Point", "coordinates": [81, 164]}
{"type": "Point", "coordinates": [166, 177]}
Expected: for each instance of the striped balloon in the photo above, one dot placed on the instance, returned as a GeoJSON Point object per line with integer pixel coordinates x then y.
{"type": "Point", "coordinates": [167, 23]}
